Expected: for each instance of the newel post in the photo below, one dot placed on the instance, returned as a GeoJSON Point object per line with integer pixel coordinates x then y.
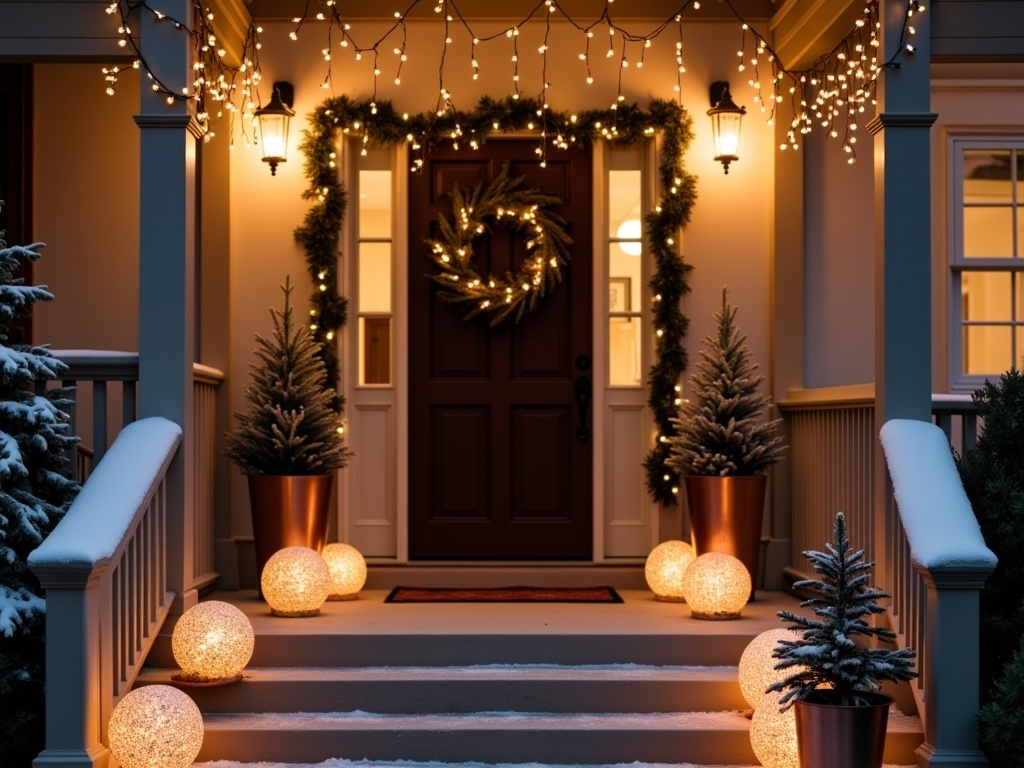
{"type": "Point", "coordinates": [73, 638]}
{"type": "Point", "coordinates": [952, 667]}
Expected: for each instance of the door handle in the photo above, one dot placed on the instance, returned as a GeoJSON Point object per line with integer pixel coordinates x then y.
{"type": "Point", "coordinates": [583, 401]}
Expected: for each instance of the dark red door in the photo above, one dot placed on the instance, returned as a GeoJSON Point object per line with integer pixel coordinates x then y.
{"type": "Point", "coordinates": [499, 467]}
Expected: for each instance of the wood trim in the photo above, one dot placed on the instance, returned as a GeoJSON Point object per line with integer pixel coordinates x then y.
{"type": "Point", "coordinates": [804, 30]}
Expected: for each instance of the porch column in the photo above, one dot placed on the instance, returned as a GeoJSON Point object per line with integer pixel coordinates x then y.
{"type": "Point", "coordinates": [167, 273]}
{"type": "Point", "coordinates": [902, 219]}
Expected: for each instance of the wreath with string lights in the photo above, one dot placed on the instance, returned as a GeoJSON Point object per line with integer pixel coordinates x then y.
{"type": "Point", "coordinates": [501, 202]}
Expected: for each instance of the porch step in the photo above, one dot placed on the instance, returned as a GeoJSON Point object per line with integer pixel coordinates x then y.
{"type": "Point", "coordinates": [545, 684]}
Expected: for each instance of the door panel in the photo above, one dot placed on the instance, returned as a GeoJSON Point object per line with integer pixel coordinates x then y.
{"type": "Point", "coordinates": [497, 468]}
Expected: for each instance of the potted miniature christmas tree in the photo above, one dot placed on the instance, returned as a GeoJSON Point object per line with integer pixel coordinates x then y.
{"type": "Point", "coordinates": [35, 491]}
{"type": "Point", "coordinates": [723, 447]}
{"type": "Point", "coordinates": [841, 716]}
{"type": "Point", "coordinates": [289, 442]}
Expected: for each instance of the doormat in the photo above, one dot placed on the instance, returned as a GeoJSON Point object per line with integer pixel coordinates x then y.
{"type": "Point", "coordinates": [503, 595]}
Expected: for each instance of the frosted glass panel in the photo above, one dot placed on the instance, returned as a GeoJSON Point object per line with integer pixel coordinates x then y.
{"type": "Point", "coordinates": [988, 233]}
{"type": "Point", "coordinates": [624, 345]}
{"type": "Point", "coordinates": [374, 204]}
{"type": "Point", "coordinates": [375, 277]}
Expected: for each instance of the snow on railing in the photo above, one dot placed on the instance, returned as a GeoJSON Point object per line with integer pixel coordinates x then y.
{"type": "Point", "coordinates": [104, 569]}
{"type": "Point", "coordinates": [935, 568]}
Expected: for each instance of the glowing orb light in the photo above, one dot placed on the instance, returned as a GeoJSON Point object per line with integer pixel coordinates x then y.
{"type": "Point", "coordinates": [665, 567]}
{"type": "Point", "coordinates": [773, 734]}
{"type": "Point", "coordinates": [757, 665]}
{"type": "Point", "coordinates": [295, 582]}
{"type": "Point", "coordinates": [716, 586]}
{"type": "Point", "coordinates": [155, 726]}
{"type": "Point", "coordinates": [212, 642]}
{"type": "Point", "coordinates": [347, 568]}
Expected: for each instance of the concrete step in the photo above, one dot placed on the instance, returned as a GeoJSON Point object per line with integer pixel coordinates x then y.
{"type": "Point", "coordinates": [706, 738]}
{"type": "Point", "coordinates": [463, 690]}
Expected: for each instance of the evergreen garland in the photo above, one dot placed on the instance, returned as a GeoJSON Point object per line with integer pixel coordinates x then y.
{"type": "Point", "coordinates": [291, 426]}
{"type": "Point", "coordinates": [547, 247]}
{"type": "Point", "coordinates": [35, 493]}
{"type": "Point", "coordinates": [830, 663]}
{"type": "Point", "coordinates": [720, 428]}
{"type": "Point", "coordinates": [378, 124]}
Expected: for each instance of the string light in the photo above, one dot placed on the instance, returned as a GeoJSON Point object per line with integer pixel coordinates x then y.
{"type": "Point", "coordinates": [832, 93]}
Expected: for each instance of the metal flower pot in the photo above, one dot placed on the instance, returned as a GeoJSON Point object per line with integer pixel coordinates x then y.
{"type": "Point", "coordinates": [725, 516]}
{"type": "Point", "coordinates": [288, 511]}
{"type": "Point", "coordinates": [833, 736]}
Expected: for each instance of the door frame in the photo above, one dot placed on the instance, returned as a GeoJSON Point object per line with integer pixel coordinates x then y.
{"type": "Point", "coordinates": [384, 535]}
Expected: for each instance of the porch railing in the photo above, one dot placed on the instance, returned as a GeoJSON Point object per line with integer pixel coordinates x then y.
{"type": "Point", "coordinates": [110, 380]}
{"type": "Point", "coordinates": [935, 568]}
{"type": "Point", "coordinates": [104, 569]}
{"type": "Point", "coordinates": [935, 605]}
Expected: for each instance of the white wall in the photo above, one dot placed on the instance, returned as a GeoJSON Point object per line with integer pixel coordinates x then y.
{"type": "Point", "coordinates": [839, 262]}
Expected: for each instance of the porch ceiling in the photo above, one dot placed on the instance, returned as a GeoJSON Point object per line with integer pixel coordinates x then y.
{"type": "Point", "coordinates": [519, 9]}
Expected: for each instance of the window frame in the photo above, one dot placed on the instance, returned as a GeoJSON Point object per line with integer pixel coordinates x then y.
{"type": "Point", "coordinates": [958, 264]}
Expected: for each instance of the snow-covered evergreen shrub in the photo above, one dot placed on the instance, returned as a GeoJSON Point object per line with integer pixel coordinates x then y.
{"type": "Point", "coordinates": [1002, 718]}
{"type": "Point", "coordinates": [993, 476]}
{"type": "Point", "coordinates": [720, 429]}
{"type": "Point", "coordinates": [830, 664]}
{"type": "Point", "coordinates": [291, 426]}
{"type": "Point", "coordinates": [35, 492]}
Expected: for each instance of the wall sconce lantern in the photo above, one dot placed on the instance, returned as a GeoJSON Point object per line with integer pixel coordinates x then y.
{"type": "Point", "coordinates": [274, 121]}
{"type": "Point", "coordinates": [725, 123]}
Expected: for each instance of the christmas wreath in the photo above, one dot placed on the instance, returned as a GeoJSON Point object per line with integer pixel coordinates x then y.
{"type": "Point", "coordinates": [501, 202]}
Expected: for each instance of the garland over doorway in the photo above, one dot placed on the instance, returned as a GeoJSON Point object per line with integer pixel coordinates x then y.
{"type": "Point", "coordinates": [378, 124]}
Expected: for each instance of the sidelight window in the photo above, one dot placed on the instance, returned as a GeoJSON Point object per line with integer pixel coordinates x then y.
{"type": "Point", "coordinates": [626, 249]}
{"type": "Point", "coordinates": [374, 286]}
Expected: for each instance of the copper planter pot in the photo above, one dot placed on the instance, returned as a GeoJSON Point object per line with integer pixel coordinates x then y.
{"type": "Point", "coordinates": [831, 736]}
{"type": "Point", "coordinates": [288, 511]}
{"type": "Point", "coordinates": [725, 516]}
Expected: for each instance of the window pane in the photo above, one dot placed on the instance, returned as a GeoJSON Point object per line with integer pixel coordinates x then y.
{"type": "Point", "coordinates": [987, 296]}
{"type": "Point", "coordinates": [623, 204]}
{"type": "Point", "coordinates": [987, 349]}
{"type": "Point", "coordinates": [374, 350]}
{"type": "Point", "coordinates": [988, 232]}
{"type": "Point", "coordinates": [375, 277]}
{"type": "Point", "coordinates": [374, 203]}
{"type": "Point", "coordinates": [987, 176]}
{"type": "Point", "coordinates": [624, 346]}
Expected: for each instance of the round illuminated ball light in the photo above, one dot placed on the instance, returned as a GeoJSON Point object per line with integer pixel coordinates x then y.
{"type": "Point", "coordinates": [212, 642]}
{"type": "Point", "coordinates": [347, 568]}
{"type": "Point", "coordinates": [295, 582]}
{"type": "Point", "coordinates": [665, 567]}
{"type": "Point", "coordinates": [757, 665]}
{"type": "Point", "coordinates": [773, 734]}
{"type": "Point", "coordinates": [155, 725]}
{"type": "Point", "coordinates": [716, 586]}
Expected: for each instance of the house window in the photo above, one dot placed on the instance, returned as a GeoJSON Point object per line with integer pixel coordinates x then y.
{"type": "Point", "coordinates": [987, 254]}
{"type": "Point", "coordinates": [374, 245]}
{"type": "Point", "coordinates": [625, 274]}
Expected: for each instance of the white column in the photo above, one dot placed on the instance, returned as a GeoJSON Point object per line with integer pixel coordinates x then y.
{"type": "Point", "coordinates": [167, 273]}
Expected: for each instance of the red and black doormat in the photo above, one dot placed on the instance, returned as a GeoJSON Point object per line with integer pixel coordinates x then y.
{"type": "Point", "coordinates": [503, 595]}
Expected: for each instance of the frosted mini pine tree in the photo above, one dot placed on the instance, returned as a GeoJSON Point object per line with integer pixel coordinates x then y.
{"type": "Point", "coordinates": [291, 426]}
{"type": "Point", "coordinates": [720, 428]}
{"type": "Point", "coordinates": [35, 492]}
{"type": "Point", "coordinates": [832, 667]}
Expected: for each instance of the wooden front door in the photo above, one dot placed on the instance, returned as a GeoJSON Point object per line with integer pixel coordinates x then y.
{"type": "Point", "coordinates": [500, 439]}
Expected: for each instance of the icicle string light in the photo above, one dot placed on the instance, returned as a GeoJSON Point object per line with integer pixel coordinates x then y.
{"type": "Point", "coordinates": [830, 94]}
